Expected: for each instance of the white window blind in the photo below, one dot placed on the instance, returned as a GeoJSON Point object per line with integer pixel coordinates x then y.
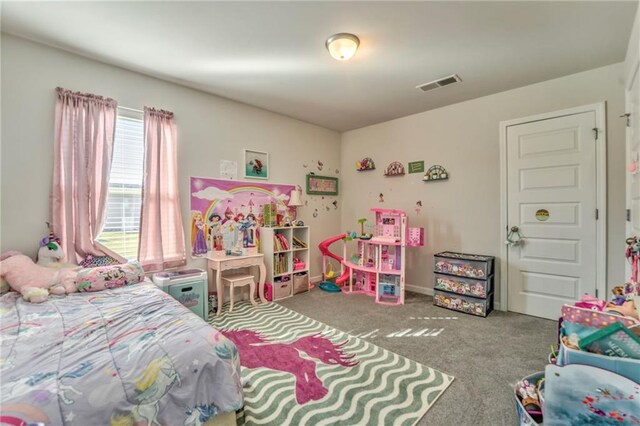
{"type": "Point", "coordinates": [121, 231]}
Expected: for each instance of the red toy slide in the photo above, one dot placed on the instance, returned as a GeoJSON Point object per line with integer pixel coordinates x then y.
{"type": "Point", "coordinates": [324, 249]}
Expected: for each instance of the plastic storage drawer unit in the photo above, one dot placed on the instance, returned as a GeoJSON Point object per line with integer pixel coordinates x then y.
{"type": "Point", "coordinates": [464, 286]}
{"type": "Point", "coordinates": [463, 265]}
{"type": "Point", "coordinates": [468, 305]}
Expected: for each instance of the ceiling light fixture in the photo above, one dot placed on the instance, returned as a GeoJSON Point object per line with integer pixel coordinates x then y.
{"type": "Point", "coordinates": [342, 46]}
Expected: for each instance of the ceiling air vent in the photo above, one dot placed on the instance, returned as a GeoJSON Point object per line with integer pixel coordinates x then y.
{"type": "Point", "coordinates": [441, 82]}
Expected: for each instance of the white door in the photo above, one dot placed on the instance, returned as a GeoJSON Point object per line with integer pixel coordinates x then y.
{"type": "Point", "coordinates": [633, 155]}
{"type": "Point", "coordinates": [551, 197]}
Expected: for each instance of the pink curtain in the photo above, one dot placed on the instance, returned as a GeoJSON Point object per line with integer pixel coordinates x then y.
{"type": "Point", "coordinates": [162, 243]}
{"type": "Point", "coordinates": [84, 133]}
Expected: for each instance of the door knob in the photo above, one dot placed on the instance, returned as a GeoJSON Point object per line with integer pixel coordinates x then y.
{"type": "Point", "coordinates": [514, 237]}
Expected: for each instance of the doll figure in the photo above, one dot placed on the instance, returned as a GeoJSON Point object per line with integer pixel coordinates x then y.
{"type": "Point", "coordinates": [250, 235]}
{"type": "Point", "coordinates": [198, 232]}
{"type": "Point", "coordinates": [215, 222]}
{"type": "Point", "coordinates": [228, 229]}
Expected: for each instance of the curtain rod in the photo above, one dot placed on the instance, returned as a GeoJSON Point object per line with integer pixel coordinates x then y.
{"type": "Point", "coordinates": [131, 109]}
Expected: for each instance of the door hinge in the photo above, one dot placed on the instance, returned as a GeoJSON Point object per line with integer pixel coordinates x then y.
{"type": "Point", "coordinates": [597, 214]}
{"type": "Point", "coordinates": [628, 215]}
{"type": "Point", "coordinates": [627, 115]}
{"type": "Point", "coordinates": [596, 131]}
{"type": "Point", "coordinates": [596, 292]}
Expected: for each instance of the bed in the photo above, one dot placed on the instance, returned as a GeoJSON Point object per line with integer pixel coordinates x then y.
{"type": "Point", "coordinates": [126, 356]}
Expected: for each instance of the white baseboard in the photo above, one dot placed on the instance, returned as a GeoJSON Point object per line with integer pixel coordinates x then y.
{"type": "Point", "coordinates": [419, 289]}
{"type": "Point", "coordinates": [429, 292]}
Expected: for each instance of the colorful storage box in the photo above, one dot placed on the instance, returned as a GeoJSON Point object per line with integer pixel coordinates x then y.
{"type": "Point", "coordinates": [629, 368]}
{"type": "Point", "coordinates": [193, 296]}
{"type": "Point", "coordinates": [281, 289]}
{"type": "Point", "coordinates": [524, 419]}
{"type": "Point", "coordinates": [300, 283]}
{"type": "Point", "coordinates": [468, 305]}
{"type": "Point", "coordinates": [464, 286]}
{"type": "Point", "coordinates": [463, 265]}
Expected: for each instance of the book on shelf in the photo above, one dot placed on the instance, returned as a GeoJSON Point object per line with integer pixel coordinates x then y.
{"type": "Point", "coordinates": [280, 264]}
{"type": "Point", "coordinates": [280, 243]}
{"type": "Point", "coordinates": [298, 243]}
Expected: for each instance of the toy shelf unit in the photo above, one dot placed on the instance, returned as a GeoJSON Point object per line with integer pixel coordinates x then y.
{"type": "Point", "coordinates": [286, 257]}
{"type": "Point", "coordinates": [463, 282]}
{"type": "Point", "coordinates": [378, 266]}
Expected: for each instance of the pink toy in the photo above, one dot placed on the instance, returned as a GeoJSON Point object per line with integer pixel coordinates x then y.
{"type": "Point", "coordinates": [590, 302]}
{"type": "Point", "coordinates": [29, 279]}
{"type": "Point", "coordinates": [378, 267]}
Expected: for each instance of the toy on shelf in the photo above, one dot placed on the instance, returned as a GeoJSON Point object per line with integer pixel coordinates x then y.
{"type": "Point", "coordinates": [362, 235]}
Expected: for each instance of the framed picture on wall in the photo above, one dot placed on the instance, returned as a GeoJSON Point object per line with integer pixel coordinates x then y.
{"type": "Point", "coordinates": [256, 164]}
{"type": "Point", "coordinates": [322, 185]}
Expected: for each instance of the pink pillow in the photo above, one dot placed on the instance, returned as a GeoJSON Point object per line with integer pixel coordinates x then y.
{"type": "Point", "coordinates": [112, 276]}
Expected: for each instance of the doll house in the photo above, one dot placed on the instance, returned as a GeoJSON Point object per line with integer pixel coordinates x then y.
{"type": "Point", "coordinates": [378, 266]}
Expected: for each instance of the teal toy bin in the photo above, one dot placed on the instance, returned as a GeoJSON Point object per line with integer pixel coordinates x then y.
{"type": "Point", "coordinates": [192, 295]}
{"type": "Point", "coordinates": [188, 286]}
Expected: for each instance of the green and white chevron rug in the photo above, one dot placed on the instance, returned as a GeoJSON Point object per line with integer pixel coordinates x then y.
{"type": "Point", "coordinates": [303, 372]}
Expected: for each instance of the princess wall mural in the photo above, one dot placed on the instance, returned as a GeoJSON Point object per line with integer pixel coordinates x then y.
{"type": "Point", "coordinates": [226, 214]}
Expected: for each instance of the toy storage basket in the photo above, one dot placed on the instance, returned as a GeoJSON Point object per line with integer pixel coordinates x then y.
{"type": "Point", "coordinates": [629, 368]}
{"type": "Point", "coordinates": [524, 419]}
{"type": "Point", "coordinates": [281, 289]}
{"type": "Point", "coordinates": [300, 282]}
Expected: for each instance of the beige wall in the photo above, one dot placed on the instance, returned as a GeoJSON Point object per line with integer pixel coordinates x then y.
{"type": "Point", "coordinates": [463, 213]}
{"type": "Point", "coordinates": [210, 128]}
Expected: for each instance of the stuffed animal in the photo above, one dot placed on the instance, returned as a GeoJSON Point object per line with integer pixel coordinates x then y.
{"type": "Point", "coordinates": [23, 275]}
{"type": "Point", "coordinates": [50, 251]}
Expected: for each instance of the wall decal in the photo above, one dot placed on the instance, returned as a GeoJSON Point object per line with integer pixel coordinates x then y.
{"type": "Point", "coordinates": [418, 206]}
{"type": "Point", "coordinates": [335, 204]}
{"type": "Point", "coordinates": [315, 213]}
{"type": "Point", "coordinates": [320, 165]}
{"type": "Point", "coordinates": [337, 171]}
{"type": "Point", "coordinates": [416, 167]}
{"type": "Point", "coordinates": [436, 172]}
{"type": "Point", "coordinates": [396, 168]}
{"type": "Point", "coordinates": [381, 198]}
{"type": "Point", "coordinates": [366, 164]}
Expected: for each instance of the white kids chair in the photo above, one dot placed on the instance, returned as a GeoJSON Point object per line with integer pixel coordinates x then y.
{"type": "Point", "coordinates": [240, 280]}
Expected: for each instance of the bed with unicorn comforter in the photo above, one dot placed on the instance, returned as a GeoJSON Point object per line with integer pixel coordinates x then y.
{"type": "Point", "coordinates": [126, 356]}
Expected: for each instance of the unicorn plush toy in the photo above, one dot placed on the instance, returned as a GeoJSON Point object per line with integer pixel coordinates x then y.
{"type": "Point", "coordinates": [50, 251]}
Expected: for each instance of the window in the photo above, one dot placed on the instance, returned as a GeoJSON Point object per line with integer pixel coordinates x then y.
{"type": "Point", "coordinates": [121, 231]}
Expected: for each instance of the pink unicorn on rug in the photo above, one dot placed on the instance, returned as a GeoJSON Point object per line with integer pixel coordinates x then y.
{"type": "Point", "coordinates": [256, 352]}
